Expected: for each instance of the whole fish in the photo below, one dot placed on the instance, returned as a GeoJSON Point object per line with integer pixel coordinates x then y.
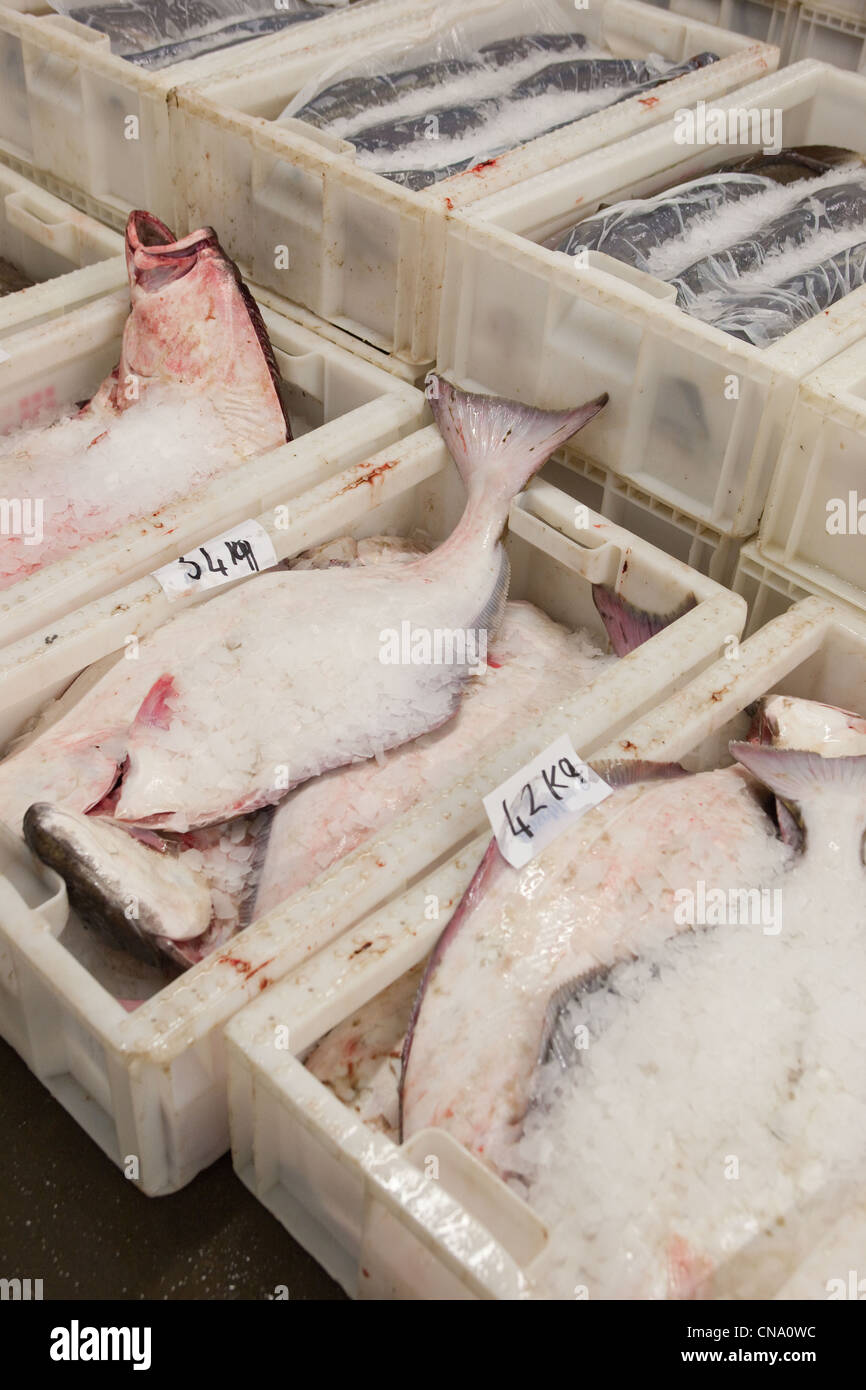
{"type": "Point", "coordinates": [353, 97]}
{"type": "Point", "coordinates": [522, 940]}
{"type": "Point", "coordinates": [194, 395]}
{"type": "Point", "coordinates": [645, 1055]}
{"type": "Point", "coordinates": [762, 316]}
{"type": "Point", "coordinates": [829, 210]}
{"type": "Point", "coordinates": [504, 120]}
{"type": "Point", "coordinates": [630, 231]}
{"type": "Point", "coordinates": [216, 720]}
{"type": "Point", "coordinates": [155, 33]}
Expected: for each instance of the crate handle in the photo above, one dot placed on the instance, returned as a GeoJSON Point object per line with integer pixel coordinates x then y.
{"type": "Point", "coordinates": [18, 867]}
{"type": "Point", "coordinates": [23, 212]}
{"type": "Point", "coordinates": [595, 560]}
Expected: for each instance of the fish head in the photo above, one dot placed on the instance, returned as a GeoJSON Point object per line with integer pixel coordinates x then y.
{"type": "Point", "coordinates": [195, 325]}
{"type": "Point", "coordinates": [812, 756]}
{"type": "Point", "coordinates": [786, 721]}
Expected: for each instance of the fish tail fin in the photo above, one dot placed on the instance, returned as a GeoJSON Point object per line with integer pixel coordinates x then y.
{"type": "Point", "coordinates": [499, 444]}
{"type": "Point", "coordinates": [629, 627]}
{"type": "Point", "coordinates": [795, 773]}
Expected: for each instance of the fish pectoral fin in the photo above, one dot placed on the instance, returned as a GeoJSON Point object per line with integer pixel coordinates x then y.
{"type": "Point", "coordinates": [560, 1042]}
{"type": "Point", "coordinates": [143, 901]}
{"type": "Point", "coordinates": [629, 627]}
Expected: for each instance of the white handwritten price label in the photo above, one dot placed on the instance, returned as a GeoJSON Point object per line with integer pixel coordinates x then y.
{"type": "Point", "coordinates": [542, 800]}
{"type": "Point", "coordinates": [244, 550]}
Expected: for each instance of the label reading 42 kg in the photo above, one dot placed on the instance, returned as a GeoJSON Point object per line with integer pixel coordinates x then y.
{"type": "Point", "coordinates": [246, 549]}
{"type": "Point", "coordinates": [542, 800]}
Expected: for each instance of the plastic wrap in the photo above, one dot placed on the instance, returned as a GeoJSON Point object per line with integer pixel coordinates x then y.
{"type": "Point", "coordinates": [755, 249]}
{"type": "Point", "coordinates": [631, 231]}
{"type": "Point", "coordinates": [830, 210]}
{"type": "Point", "coordinates": [156, 33]}
{"type": "Point", "coordinates": [766, 315]}
{"type": "Point", "coordinates": [419, 112]}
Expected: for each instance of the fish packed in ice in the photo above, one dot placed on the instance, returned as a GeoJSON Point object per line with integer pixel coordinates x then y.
{"type": "Point", "coordinates": [154, 34]}
{"type": "Point", "coordinates": [159, 785]}
{"type": "Point", "coordinates": [193, 397]}
{"type": "Point", "coordinates": [652, 1031]}
{"type": "Point", "coordinates": [423, 122]}
{"type": "Point", "coordinates": [755, 248]}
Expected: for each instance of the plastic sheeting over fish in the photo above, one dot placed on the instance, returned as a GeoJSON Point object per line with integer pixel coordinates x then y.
{"type": "Point", "coordinates": [156, 33]}
{"type": "Point", "coordinates": [749, 248]}
{"type": "Point", "coordinates": [460, 103]}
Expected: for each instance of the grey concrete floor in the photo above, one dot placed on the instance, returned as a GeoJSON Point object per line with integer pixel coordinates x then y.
{"type": "Point", "coordinates": [70, 1218]}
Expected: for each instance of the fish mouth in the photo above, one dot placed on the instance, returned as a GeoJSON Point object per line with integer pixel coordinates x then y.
{"type": "Point", "coordinates": [155, 258]}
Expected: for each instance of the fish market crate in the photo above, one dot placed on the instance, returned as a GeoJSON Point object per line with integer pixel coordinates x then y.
{"type": "Point", "coordinates": [770, 589]}
{"type": "Point", "coordinates": [696, 417]}
{"type": "Point", "coordinates": [832, 35]}
{"type": "Point", "coordinates": [93, 127]}
{"type": "Point", "coordinates": [342, 409]}
{"type": "Point", "coordinates": [425, 1220]}
{"type": "Point", "coordinates": [66, 256]}
{"type": "Point", "coordinates": [152, 1083]}
{"type": "Point", "coordinates": [696, 544]}
{"type": "Point", "coordinates": [814, 523]}
{"type": "Point", "coordinates": [296, 207]}
{"type": "Point", "coordinates": [771, 21]}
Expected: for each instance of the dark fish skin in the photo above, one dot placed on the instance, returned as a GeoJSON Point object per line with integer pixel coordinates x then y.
{"type": "Point", "coordinates": [505, 51]}
{"type": "Point", "coordinates": [767, 315]}
{"type": "Point", "coordinates": [628, 237]}
{"type": "Point", "coordinates": [828, 210]}
{"type": "Point", "coordinates": [91, 897]}
{"type": "Point", "coordinates": [352, 96]}
{"type": "Point", "coordinates": [596, 74]}
{"type": "Point", "coordinates": [631, 237]}
{"type": "Point", "coordinates": [450, 124]}
{"type": "Point", "coordinates": [230, 37]}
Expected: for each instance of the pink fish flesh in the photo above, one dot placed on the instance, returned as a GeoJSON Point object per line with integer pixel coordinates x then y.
{"type": "Point", "coordinates": [195, 395]}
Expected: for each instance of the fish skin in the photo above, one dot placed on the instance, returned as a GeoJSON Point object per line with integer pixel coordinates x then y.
{"type": "Point", "coordinates": [762, 317]}
{"type": "Point", "coordinates": [194, 335]}
{"type": "Point", "coordinates": [630, 231]}
{"type": "Point", "coordinates": [574, 75]}
{"type": "Point", "coordinates": [352, 97]}
{"type": "Point", "coordinates": [107, 877]}
{"type": "Point", "coordinates": [519, 936]}
{"type": "Point", "coordinates": [830, 209]}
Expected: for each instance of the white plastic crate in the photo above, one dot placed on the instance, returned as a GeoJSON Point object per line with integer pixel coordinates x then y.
{"type": "Point", "coordinates": [770, 589]}
{"type": "Point", "coordinates": [694, 542]}
{"type": "Point", "coordinates": [69, 257]}
{"type": "Point", "coordinates": [696, 417]}
{"type": "Point", "coordinates": [342, 408]}
{"type": "Point", "coordinates": [152, 1083]}
{"type": "Point", "coordinates": [367, 1208]}
{"type": "Point", "coordinates": [365, 252]}
{"type": "Point", "coordinates": [770, 21]}
{"type": "Point", "coordinates": [814, 523]}
{"type": "Point", "coordinates": [94, 128]}
{"type": "Point", "coordinates": [834, 34]}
